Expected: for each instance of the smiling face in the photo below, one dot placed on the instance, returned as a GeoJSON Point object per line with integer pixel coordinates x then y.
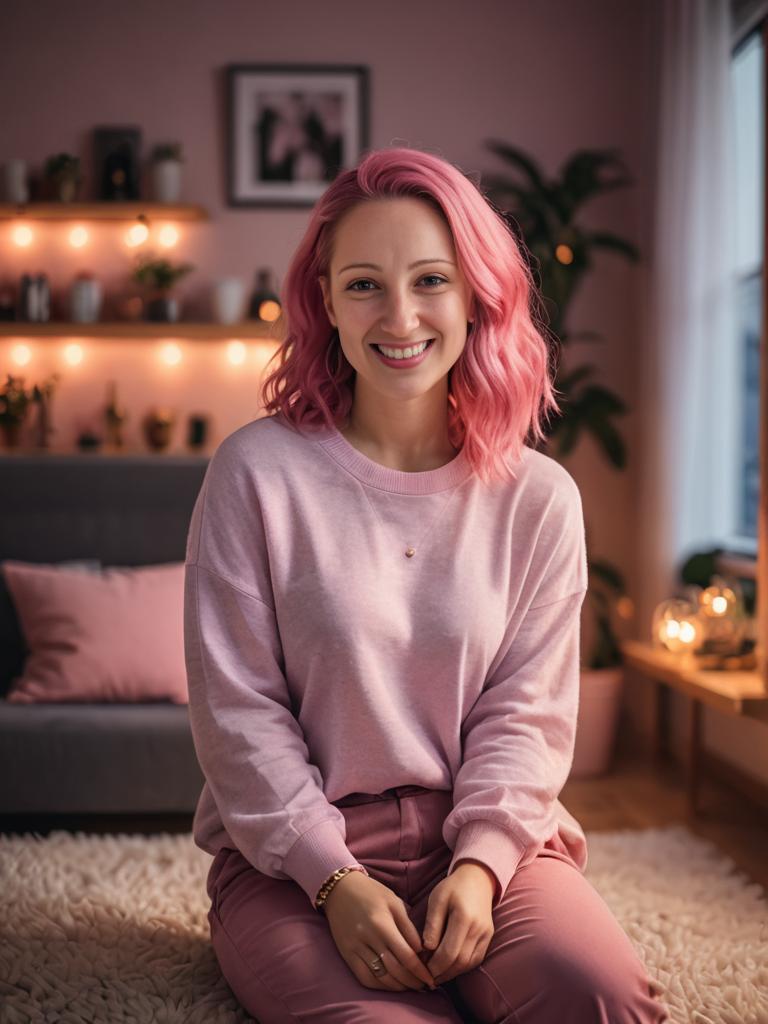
{"type": "Point", "coordinates": [396, 303]}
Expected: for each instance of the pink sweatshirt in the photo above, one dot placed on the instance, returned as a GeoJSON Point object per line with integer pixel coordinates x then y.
{"type": "Point", "coordinates": [324, 659]}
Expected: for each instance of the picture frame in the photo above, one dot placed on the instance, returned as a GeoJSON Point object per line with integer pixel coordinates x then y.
{"type": "Point", "coordinates": [117, 162]}
{"type": "Point", "coordinates": [291, 128]}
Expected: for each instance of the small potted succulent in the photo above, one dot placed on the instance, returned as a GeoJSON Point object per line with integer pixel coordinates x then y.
{"type": "Point", "coordinates": [14, 402]}
{"type": "Point", "coordinates": [167, 159]}
{"type": "Point", "coordinates": [159, 277]}
{"type": "Point", "coordinates": [62, 177]}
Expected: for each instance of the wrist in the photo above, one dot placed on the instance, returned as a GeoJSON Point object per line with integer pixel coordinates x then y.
{"type": "Point", "coordinates": [480, 868]}
{"type": "Point", "coordinates": [333, 881]}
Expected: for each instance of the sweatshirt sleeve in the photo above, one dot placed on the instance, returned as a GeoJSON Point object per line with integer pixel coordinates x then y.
{"type": "Point", "coordinates": [519, 735]}
{"type": "Point", "coordinates": [250, 746]}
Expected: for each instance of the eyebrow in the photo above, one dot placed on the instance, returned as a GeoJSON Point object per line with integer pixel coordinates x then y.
{"type": "Point", "coordinates": [375, 266]}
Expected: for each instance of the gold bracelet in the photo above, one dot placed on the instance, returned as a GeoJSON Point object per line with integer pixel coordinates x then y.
{"type": "Point", "coordinates": [325, 889]}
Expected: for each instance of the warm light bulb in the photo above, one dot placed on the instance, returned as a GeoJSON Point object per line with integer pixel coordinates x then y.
{"type": "Point", "coordinates": [170, 353]}
{"type": "Point", "coordinates": [686, 631]}
{"type": "Point", "coordinates": [136, 234]}
{"type": "Point", "coordinates": [564, 254]}
{"type": "Point", "coordinates": [21, 355]}
{"type": "Point", "coordinates": [168, 236]}
{"type": "Point", "coordinates": [73, 354]}
{"type": "Point", "coordinates": [719, 605]}
{"type": "Point", "coordinates": [22, 236]}
{"type": "Point", "coordinates": [269, 310]}
{"type": "Point", "coordinates": [236, 353]}
{"type": "Point", "coordinates": [672, 629]}
{"type": "Point", "coordinates": [78, 237]}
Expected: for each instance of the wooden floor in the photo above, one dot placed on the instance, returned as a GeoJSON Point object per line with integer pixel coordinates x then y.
{"type": "Point", "coordinates": [638, 793]}
{"type": "Point", "coordinates": [641, 793]}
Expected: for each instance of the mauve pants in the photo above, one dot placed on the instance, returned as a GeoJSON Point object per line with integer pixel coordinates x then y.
{"type": "Point", "coordinates": [558, 955]}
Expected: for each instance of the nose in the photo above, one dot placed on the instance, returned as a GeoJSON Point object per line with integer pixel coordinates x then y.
{"type": "Point", "coordinates": [401, 316]}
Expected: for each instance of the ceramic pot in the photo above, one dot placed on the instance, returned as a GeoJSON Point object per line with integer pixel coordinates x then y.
{"type": "Point", "coordinates": [166, 181]}
{"type": "Point", "coordinates": [599, 705]}
{"type": "Point", "coordinates": [228, 299]}
{"type": "Point", "coordinates": [162, 308]}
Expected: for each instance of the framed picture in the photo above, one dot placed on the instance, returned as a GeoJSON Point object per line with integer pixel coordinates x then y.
{"type": "Point", "coordinates": [117, 162]}
{"type": "Point", "coordinates": [291, 129]}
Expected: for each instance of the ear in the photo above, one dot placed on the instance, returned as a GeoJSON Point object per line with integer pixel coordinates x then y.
{"type": "Point", "coordinates": [323, 282]}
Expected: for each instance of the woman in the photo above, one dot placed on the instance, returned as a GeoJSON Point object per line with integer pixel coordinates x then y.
{"type": "Point", "coordinates": [383, 594]}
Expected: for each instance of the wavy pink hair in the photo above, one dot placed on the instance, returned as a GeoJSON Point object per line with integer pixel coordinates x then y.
{"type": "Point", "coordinates": [499, 390]}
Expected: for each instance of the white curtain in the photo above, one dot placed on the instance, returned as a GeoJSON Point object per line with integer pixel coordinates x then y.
{"type": "Point", "coordinates": [689, 382]}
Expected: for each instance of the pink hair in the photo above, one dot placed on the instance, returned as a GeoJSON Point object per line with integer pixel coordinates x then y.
{"type": "Point", "coordinates": [500, 389]}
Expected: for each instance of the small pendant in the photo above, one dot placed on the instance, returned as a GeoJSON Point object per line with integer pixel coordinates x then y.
{"type": "Point", "coordinates": [410, 552]}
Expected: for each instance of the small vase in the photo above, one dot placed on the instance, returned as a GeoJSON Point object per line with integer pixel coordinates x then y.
{"type": "Point", "coordinates": [162, 308]}
{"type": "Point", "coordinates": [228, 299]}
{"type": "Point", "coordinates": [166, 181]}
{"type": "Point", "coordinates": [85, 299]}
{"type": "Point", "coordinates": [15, 188]}
{"type": "Point", "coordinates": [158, 427]}
{"type": "Point", "coordinates": [66, 189]}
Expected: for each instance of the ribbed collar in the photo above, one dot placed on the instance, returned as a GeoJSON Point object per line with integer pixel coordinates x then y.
{"type": "Point", "coordinates": [373, 473]}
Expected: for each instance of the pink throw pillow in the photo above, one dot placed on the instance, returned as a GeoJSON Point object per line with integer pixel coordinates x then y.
{"type": "Point", "coordinates": [115, 635]}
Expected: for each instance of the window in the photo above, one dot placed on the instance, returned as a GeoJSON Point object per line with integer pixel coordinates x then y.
{"type": "Point", "coordinates": [748, 122]}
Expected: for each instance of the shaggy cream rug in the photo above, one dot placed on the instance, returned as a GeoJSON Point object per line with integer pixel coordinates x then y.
{"type": "Point", "coordinates": [113, 928]}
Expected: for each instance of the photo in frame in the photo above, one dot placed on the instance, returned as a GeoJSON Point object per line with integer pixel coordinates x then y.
{"type": "Point", "coordinates": [291, 129]}
{"type": "Point", "coordinates": [117, 162]}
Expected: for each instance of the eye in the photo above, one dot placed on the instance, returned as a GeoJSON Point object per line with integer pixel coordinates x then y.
{"type": "Point", "coordinates": [434, 277]}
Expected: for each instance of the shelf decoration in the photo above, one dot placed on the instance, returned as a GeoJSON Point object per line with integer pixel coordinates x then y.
{"type": "Point", "coordinates": [709, 624]}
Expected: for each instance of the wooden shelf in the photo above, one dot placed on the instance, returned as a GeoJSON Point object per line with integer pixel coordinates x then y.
{"type": "Point", "coordinates": [102, 211]}
{"type": "Point", "coordinates": [33, 456]}
{"type": "Point", "coordinates": [733, 692]}
{"type": "Point", "coordinates": [140, 329]}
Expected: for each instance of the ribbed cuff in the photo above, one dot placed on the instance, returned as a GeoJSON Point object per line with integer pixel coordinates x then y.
{"type": "Point", "coordinates": [493, 846]}
{"type": "Point", "coordinates": [315, 856]}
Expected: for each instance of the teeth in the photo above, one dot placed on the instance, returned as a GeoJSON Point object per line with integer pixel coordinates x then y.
{"type": "Point", "coordinates": [402, 353]}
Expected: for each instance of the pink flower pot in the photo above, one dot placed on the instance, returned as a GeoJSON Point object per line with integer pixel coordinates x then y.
{"type": "Point", "coordinates": [599, 704]}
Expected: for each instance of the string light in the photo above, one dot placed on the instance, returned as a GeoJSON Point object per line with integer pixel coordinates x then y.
{"type": "Point", "coordinates": [168, 236]}
{"type": "Point", "coordinates": [236, 353]}
{"type": "Point", "coordinates": [78, 237]}
{"type": "Point", "coordinates": [22, 235]}
{"type": "Point", "coordinates": [171, 353]}
{"type": "Point", "coordinates": [21, 355]}
{"type": "Point", "coordinates": [73, 354]}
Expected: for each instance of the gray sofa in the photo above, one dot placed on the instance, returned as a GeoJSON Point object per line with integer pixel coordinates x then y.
{"type": "Point", "coordinates": [79, 758]}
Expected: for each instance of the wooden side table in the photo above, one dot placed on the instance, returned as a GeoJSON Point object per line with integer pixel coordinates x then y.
{"type": "Point", "coordinates": [730, 693]}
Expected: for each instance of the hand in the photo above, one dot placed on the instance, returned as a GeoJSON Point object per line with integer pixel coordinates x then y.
{"type": "Point", "coordinates": [367, 919]}
{"type": "Point", "coordinates": [465, 897]}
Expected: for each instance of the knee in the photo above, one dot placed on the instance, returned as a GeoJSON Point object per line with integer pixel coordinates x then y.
{"type": "Point", "coordinates": [593, 986]}
{"type": "Point", "coordinates": [572, 988]}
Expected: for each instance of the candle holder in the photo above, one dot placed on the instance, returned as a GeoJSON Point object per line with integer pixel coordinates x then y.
{"type": "Point", "coordinates": [722, 608]}
{"type": "Point", "coordinates": [677, 627]}
{"type": "Point", "coordinates": [707, 626]}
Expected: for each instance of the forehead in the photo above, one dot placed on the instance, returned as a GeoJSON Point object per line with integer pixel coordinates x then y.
{"type": "Point", "coordinates": [404, 225]}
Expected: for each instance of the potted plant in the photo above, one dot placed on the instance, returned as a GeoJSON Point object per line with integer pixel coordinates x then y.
{"type": "Point", "coordinates": [14, 401]}
{"type": "Point", "coordinates": [62, 177]}
{"type": "Point", "coordinates": [543, 215]}
{"type": "Point", "coordinates": [166, 164]}
{"type": "Point", "coordinates": [159, 276]}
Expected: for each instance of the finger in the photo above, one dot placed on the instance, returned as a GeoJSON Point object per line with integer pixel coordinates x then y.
{"type": "Point", "coordinates": [366, 976]}
{"type": "Point", "coordinates": [453, 942]}
{"type": "Point", "coordinates": [475, 960]}
{"type": "Point", "coordinates": [401, 973]}
{"type": "Point", "coordinates": [433, 929]}
{"type": "Point", "coordinates": [406, 946]}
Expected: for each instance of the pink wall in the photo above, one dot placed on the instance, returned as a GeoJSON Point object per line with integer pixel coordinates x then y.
{"type": "Point", "coordinates": [552, 77]}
